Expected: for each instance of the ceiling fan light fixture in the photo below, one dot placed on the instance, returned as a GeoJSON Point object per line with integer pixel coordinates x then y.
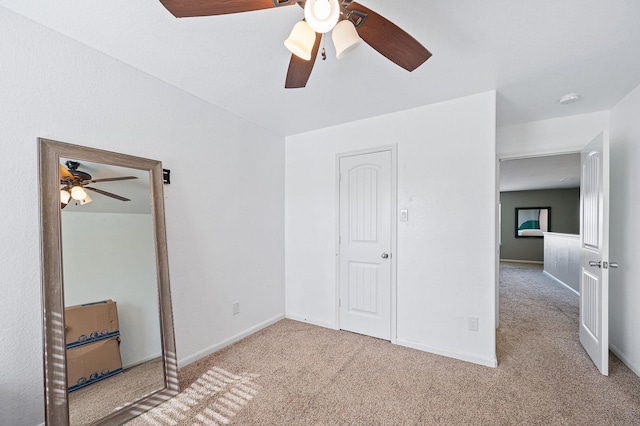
{"type": "Point", "coordinates": [301, 40]}
{"type": "Point", "coordinates": [85, 200]}
{"type": "Point", "coordinates": [322, 15]}
{"type": "Point", "coordinates": [64, 196]}
{"type": "Point", "coordinates": [78, 193]}
{"type": "Point", "coordinates": [345, 38]}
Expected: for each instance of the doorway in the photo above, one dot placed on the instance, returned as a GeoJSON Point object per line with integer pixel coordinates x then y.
{"type": "Point", "coordinates": [592, 215]}
{"type": "Point", "coordinates": [551, 180]}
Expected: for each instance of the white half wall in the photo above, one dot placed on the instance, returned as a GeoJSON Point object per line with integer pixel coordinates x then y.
{"type": "Point", "coordinates": [446, 252]}
{"type": "Point", "coordinates": [566, 134]}
{"type": "Point", "coordinates": [224, 207]}
{"type": "Point", "coordinates": [624, 236]}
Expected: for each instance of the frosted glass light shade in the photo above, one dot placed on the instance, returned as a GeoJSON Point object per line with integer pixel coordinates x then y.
{"type": "Point", "coordinates": [322, 15]}
{"type": "Point", "coordinates": [345, 38]}
{"type": "Point", "coordinates": [78, 193]}
{"type": "Point", "coordinates": [64, 196]}
{"type": "Point", "coordinates": [301, 40]}
{"type": "Point", "coordinates": [85, 200]}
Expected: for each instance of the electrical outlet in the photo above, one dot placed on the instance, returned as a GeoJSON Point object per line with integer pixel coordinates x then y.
{"type": "Point", "coordinates": [473, 324]}
{"type": "Point", "coordinates": [236, 308]}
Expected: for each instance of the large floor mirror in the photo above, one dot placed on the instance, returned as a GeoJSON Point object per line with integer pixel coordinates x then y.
{"type": "Point", "coordinates": [109, 348]}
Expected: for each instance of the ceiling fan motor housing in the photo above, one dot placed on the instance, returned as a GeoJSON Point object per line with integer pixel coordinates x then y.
{"type": "Point", "coordinates": [73, 169]}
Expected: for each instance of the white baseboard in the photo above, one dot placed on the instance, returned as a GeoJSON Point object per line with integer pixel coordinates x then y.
{"type": "Point", "coordinates": [220, 345]}
{"type": "Point", "coordinates": [561, 282]}
{"type": "Point", "coordinates": [537, 262]}
{"type": "Point", "coordinates": [312, 321]}
{"type": "Point", "coordinates": [463, 356]}
{"type": "Point", "coordinates": [141, 361]}
{"type": "Point", "coordinates": [625, 359]}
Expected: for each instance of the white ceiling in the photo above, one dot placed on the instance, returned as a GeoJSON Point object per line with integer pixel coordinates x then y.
{"type": "Point", "coordinates": [531, 52]}
{"type": "Point", "coordinates": [549, 172]}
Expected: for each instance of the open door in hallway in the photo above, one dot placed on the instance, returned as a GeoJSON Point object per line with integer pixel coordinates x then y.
{"type": "Point", "coordinates": [594, 246]}
{"type": "Point", "coordinates": [365, 243]}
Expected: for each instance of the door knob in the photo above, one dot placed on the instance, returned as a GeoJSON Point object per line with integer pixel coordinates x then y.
{"type": "Point", "coordinates": [384, 255]}
{"type": "Point", "coordinates": [594, 263]}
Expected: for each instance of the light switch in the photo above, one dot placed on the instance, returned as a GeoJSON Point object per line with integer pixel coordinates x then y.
{"type": "Point", "coordinates": [404, 215]}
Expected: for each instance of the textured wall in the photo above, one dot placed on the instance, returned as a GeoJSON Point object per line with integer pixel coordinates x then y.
{"type": "Point", "coordinates": [443, 169]}
{"type": "Point", "coordinates": [224, 207]}
{"type": "Point", "coordinates": [565, 134]}
{"type": "Point", "coordinates": [624, 237]}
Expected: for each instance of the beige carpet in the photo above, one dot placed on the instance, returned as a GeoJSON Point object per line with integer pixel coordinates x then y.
{"type": "Point", "coordinates": [297, 374]}
{"type": "Point", "coordinates": [88, 404]}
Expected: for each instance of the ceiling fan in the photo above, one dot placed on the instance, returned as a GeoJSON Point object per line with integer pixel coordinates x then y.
{"type": "Point", "coordinates": [74, 184]}
{"type": "Point", "coordinates": [350, 21]}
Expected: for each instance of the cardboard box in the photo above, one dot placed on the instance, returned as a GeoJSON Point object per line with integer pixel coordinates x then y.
{"type": "Point", "coordinates": [90, 363]}
{"type": "Point", "coordinates": [90, 322]}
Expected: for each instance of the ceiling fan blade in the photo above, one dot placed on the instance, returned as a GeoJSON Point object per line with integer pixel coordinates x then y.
{"type": "Point", "coordinates": [64, 173]}
{"type": "Point", "coordinates": [299, 69]}
{"type": "Point", "coordinates": [111, 179]}
{"type": "Point", "coordinates": [390, 40]}
{"type": "Point", "coordinates": [188, 8]}
{"type": "Point", "coordinates": [108, 194]}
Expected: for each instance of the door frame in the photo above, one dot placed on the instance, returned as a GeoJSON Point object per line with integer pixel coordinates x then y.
{"type": "Point", "coordinates": [394, 230]}
{"type": "Point", "coordinates": [497, 219]}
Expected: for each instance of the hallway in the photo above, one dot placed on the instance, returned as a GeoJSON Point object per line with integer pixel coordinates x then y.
{"type": "Point", "coordinates": [538, 335]}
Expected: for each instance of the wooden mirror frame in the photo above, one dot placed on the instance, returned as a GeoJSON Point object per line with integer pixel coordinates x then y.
{"type": "Point", "coordinates": [55, 372]}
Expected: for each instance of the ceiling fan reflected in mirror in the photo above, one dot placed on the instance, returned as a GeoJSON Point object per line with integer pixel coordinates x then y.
{"type": "Point", "coordinates": [74, 183]}
{"type": "Point", "coordinates": [349, 21]}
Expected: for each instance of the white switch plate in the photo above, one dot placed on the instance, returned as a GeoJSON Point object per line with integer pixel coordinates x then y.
{"type": "Point", "coordinates": [404, 215]}
{"type": "Point", "coordinates": [236, 308]}
{"type": "Point", "coordinates": [473, 324]}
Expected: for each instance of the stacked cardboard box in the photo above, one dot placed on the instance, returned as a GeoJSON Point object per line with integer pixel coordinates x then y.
{"type": "Point", "coordinates": [93, 343]}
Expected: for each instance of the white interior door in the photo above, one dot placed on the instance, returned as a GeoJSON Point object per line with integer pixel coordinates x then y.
{"type": "Point", "coordinates": [365, 244]}
{"type": "Point", "coordinates": [594, 245]}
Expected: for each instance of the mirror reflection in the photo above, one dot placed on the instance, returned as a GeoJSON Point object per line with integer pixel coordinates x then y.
{"type": "Point", "coordinates": [112, 324]}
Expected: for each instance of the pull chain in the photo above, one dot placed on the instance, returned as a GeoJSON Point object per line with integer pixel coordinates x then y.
{"type": "Point", "coordinates": [324, 54]}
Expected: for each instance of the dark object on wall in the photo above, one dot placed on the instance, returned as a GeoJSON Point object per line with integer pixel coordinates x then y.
{"type": "Point", "coordinates": [166, 176]}
{"type": "Point", "coordinates": [531, 222]}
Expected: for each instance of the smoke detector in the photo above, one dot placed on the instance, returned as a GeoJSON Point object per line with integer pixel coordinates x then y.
{"type": "Point", "coordinates": [569, 99]}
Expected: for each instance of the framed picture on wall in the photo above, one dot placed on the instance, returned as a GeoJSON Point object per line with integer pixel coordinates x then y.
{"type": "Point", "coordinates": [531, 222]}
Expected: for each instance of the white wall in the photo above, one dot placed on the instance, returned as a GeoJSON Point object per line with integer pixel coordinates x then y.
{"type": "Point", "coordinates": [224, 207]}
{"type": "Point", "coordinates": [445, 257]}
{"type": "Point", "coordinates": [624, 293]}
{"type": "Point", "coordinates": [566, 134]}
{"type": "Point", "coordinates": [112, 256]}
